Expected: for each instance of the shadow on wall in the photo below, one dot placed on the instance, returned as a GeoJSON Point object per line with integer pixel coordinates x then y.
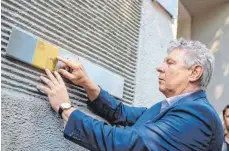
{"type": "Point", "coordinates": [219, 86]}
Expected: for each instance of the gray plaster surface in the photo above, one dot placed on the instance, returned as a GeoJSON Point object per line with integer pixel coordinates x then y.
{"type": "Point", "coordinates": [28, 123]}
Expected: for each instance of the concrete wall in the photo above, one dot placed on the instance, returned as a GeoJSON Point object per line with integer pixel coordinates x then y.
{"type": "Point", "coordinates": [184, 22]}
{"type": "Point", "coordinates": [155, 33]}
{"type": "Point", "coordinates": [212, 28]}
{"type": "Point", "coordinates": [104, 32]}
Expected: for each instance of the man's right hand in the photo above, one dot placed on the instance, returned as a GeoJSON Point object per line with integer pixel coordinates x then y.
{"type": "Point", "coordinates": [74, 71]}
{"type": "Point", "coordinates": [79, 77]}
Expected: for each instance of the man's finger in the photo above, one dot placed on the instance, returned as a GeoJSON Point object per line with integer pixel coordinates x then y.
{"type": "Point", "coordinates": [51, 77]}
{"type": "Point", "coordinates": [65, 67]}
{"type": "Point", "coordinates": [44, 89]}
{"type": "Point", "coordinates": [66, 61]}
{"type": "Point", "coordinates": [59, 78]}
{"type": "Point", "coordinates": [47, 82]}
{"type": "Point", "coordinates": [66, 74]}
{"type": "Point", "coordinates": [83, 69]}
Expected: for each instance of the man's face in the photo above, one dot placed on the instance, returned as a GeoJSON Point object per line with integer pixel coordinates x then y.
{"type": "Point", "coordinates": [226, 119]}
{"type": "Point", "coordinates": [173, 74]}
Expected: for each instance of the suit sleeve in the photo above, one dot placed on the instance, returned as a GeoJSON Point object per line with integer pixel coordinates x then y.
{"type": "Point", "coordinates": [189, 128]}
{"type": "Point", "coordinates": [97, 135]}
{"type": "Point", "coordinates": [115, 111]}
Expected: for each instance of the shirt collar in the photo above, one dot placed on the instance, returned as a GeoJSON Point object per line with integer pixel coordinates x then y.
{"type": "Point", "coordinates": [174, 99]}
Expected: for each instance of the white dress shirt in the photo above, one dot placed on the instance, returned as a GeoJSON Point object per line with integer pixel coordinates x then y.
{"type": "Point", "coordinates": [171, 100]}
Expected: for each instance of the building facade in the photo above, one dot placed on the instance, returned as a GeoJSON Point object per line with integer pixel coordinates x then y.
{"type": "Point", "coordinates": [126, 37]}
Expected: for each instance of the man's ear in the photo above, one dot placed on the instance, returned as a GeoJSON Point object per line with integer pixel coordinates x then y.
{"type": "Point", "coordinates": [196, 72]}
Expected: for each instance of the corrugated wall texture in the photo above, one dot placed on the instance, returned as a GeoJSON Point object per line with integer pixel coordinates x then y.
{"type": "Point", "coordinates": [102, 31]}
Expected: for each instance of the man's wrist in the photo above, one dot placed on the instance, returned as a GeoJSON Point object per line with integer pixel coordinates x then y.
{"type": "Point", "coordinates": [92, 90]}
{"type": "Point", "coordinates": [67, 112]}
{"type": "Point", "coordinates": [88, 84]}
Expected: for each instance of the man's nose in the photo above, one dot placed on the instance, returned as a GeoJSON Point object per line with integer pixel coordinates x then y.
{"type": "Point", "coordinates": [160, 68]}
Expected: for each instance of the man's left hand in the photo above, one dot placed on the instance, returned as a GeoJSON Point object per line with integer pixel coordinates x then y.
{"type": "Point", "coordinates": [55, 89]}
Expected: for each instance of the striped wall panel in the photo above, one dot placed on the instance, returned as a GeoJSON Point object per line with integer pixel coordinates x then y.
{"type": "Point", "coordinates": [104, 32]}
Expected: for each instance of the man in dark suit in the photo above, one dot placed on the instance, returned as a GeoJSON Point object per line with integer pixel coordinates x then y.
{"type": "Point", "coordinates": [184, 121]}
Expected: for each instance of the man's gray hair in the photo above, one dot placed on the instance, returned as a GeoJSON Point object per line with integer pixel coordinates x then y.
{"type": "Point", "coordinates": [196, 54]}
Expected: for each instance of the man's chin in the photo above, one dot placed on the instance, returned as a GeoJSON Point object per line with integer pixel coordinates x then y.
{"type": "Point", "coordinates": [161, 89]}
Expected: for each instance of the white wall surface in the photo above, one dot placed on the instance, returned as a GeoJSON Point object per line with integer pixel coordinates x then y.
{"type": "Point", "coordinates": [212, 28]}
{"type": "Point", "coordinates": [155, 33]}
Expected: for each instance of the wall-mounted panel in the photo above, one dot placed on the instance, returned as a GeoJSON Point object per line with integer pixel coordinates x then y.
{"type": "Point", "coordinates": [42, 54]}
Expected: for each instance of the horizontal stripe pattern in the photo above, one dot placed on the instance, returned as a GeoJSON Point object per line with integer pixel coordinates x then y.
{"type": "Point", "coordinates": [104, 32]}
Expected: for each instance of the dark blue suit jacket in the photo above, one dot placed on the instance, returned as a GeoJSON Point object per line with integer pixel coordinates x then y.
{"type": "Point", "coordinates": [189, 124]}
